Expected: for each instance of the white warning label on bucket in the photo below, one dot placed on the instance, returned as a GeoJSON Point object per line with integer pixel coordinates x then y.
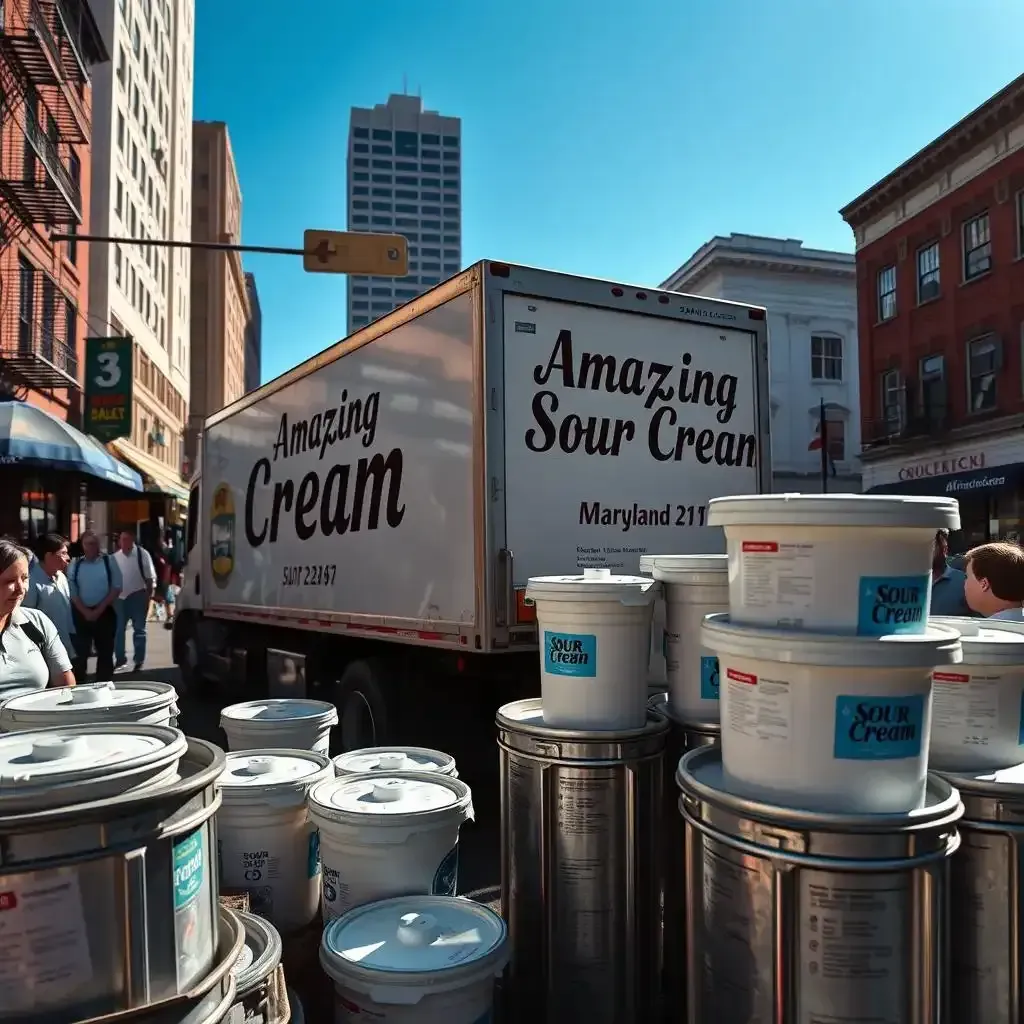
{"type": "Point", "coordinates": [852, 941]}
{"type": "Point", "coordinates": [967, 706]}
{"type": "Point", "coordinates": [777, 575]}
{"type": "Point", "coordinates": [757, 707]}
{"type": "Point", "coordinates": [44, 944]}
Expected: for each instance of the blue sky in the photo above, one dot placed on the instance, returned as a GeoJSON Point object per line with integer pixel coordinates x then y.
{"type": "Point", "coordinates": [599, 138]}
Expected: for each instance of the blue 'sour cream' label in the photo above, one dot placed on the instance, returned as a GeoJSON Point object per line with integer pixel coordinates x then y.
{"type": "Point", "coordinates": [313, 854]}
{"type": "Point", "coordinates": [892, 604]}
{"type": "Point", "coordinates": [708, 677]}
{"type": "Point", "coordinates": [878, 728]}
{"type": "Point", "coordinates": [570, 654]}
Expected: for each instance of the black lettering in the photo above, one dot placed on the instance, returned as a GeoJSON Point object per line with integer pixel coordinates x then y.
{"type": "Point", "coordinates": [560, 359]}
{"type": "Point", "coordinates": [309, 491]}
{"type": "Point", "coordinates": [659, 393]}
{"type": "Point", "coordinates": [299, 437]}
{"type": "Point", "coordinates": [369, 427]}
{"type": "Point", "coordinates": [602, 366]}
{"type": "Point", "coordinates": [631, 377]}
{"type": "Point", "coordinates": [665, 412]}
{"type": "Point", "coordinates": [333, 517]}
{"type": "Point", "coordinates": [259, 477]}
{"type": "Point", "coordinates": [284, 495]}
{"type": "Point", "coordinates": [546, 438]}
{"type": "Point", "coordinates": [281, 444]}
{"type": "Point", "coordinates": [329, 435]}
{"type": "Point", "coordinates": [314, 432]}
{"type": "Point", "coordinates": [375, 470]}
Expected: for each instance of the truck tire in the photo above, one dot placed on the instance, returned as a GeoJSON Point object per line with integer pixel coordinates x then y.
{"type": "Point", "coordinates": [363, 715]}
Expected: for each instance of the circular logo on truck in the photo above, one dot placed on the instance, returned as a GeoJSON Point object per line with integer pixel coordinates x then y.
{"type": "Point", "coordinates": [222, 535]}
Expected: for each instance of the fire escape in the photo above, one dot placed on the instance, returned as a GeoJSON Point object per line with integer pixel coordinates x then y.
{"type": "Point", "coordinates": [46, 49]}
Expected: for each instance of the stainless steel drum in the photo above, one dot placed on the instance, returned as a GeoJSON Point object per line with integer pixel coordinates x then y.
{"type": "Point", "coordinates": [581, 845]}
{"type": "Point", "coordinates": [108, 869]}
{"type": "Point", "coordinates": [209, 1001]}
{"type": "Point", "coordinates": [986, 957]}
{"type": "Point", "coordinates": [682, 738]}
{"type": "Point", "coordinates": [257, 1000]}
{"type": "Point", "coordinates": [803, 917]}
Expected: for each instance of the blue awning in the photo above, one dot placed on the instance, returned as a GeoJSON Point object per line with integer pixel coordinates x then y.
{"type": "Point", "coordinates": [960, 485]}
{"type": "Point", "coordinates": [32, 438]}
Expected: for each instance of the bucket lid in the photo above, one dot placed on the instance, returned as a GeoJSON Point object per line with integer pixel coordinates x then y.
{"type": "Point", "coordinates": [428, 942]}
{"type": "Point", "coordinates": [134, 696]}
{"type": "Point", "coordinates": [700, 774]}
{"type": "Point", "coordinates": [661, 704]}
{"type": "Point", "coordinates": [392, 759]}
{"type": "Point", "coordinates": [273, 711]}
{"type": "Point", "coordinates": [389, 798]}
{"type": "Point", "coordinates": [683, 568]}
{"type": "Point", "coordinates": [984, 641]}
{"type": "Point", "coordinates": [594, 585]}
{"type": "Point", "coordinates": [526, 716]}
{"type": "Point", "coordinates": [259, 775]}
{"type": "Point", "coordinates": [45, 763]}
{"type": "Point", "coordinates": [259, 956]}
{"type": "Point", "coordinates": [992, 782]}
{"type": "Point", "coordinates": [834, 510]}
{"type": "Point", "coordinates": [937, 645]}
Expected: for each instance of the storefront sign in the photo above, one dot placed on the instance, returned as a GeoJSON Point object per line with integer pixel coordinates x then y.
{"type": "Point", "coordinates": [108, 387]}
{"type": "Point", "coordinates": [943, 467]}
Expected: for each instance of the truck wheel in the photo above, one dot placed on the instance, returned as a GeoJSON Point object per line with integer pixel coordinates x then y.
{"type": "Point", "coordinates": [363, 719]}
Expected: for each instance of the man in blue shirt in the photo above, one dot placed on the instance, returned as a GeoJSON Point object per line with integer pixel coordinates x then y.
{"type": "Point", "coordinates": [95, 581]}
{"type": "Point", "coordinates": [947, 583]}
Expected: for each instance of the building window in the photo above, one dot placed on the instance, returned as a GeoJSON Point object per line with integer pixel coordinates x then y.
{"type": "Point", "coordinates": [826, 356]}
{"type": "Point", "coordinates": [933, 388]}
{"type": "Point", "coordinates": [928, 272]}
{"type": "Point", "coordinates": [835, 432]}
{"type": "Point", "coordinates": [26, 305]}
{"type": "Point", "coordinates": [1020, 224]}
{"type": "Point", "coordinates": [977, 247]}
{"type": "Point", "coordinates": [892, 394]}
{"type": "Point", "coordinates": [983, 365]}
{"type": "Point", "coordinates": [887, 293]}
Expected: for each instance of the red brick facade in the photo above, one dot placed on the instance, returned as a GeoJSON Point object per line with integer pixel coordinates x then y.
{"type": "Point", "coordinates": [984, 306]}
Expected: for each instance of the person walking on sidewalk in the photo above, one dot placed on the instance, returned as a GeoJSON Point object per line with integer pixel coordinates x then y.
{"type": "Point", "coordinates": [95, 585]}
{"type": "Point", "coordinates": [139, 583]}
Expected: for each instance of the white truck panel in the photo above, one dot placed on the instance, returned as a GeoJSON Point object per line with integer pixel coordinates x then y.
{"type": "Point", "coordinates": [619, 428]}
{"type": "Point", "coordinates": [349, 490]}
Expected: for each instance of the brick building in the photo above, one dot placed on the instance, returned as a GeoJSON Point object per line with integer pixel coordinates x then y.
{"type": "Point", "coordinates": [48, 49]}
{"type": "Point", "coordinates": [940, 294]}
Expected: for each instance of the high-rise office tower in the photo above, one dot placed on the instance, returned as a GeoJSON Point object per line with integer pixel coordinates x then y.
{"type": "Point", "coordinates": [405, 177]}
{"type": "Point", "coordinates": [253, 337]}
{"type": "Point", "coordinates": [142, 188]}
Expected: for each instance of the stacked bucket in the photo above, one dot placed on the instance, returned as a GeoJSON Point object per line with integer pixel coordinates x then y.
{"type": "Point", "coordinates": [817, 846]}
{"type": "Point", "coordinates": [582, 773]}
{"type": "Point", "coordinates": [122, 841]}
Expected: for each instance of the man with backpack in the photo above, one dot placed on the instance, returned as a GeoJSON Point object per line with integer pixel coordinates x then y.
{"type": "Point", "coordinates": [95, 583]}
{"type": "Point", "coordinates": [138, 584]}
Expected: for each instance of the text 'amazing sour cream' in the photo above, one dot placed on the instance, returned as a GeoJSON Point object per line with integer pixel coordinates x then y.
{"type": "Point", "coordinates": [825, 721]}
{"type": "Point", "coordinates": [843, 563]}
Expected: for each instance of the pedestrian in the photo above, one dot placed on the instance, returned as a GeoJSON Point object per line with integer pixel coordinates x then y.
{"type": "Point", "coordinates": [95, 585]}
{"type": "Point", "coordinates": [162, 570]}
{"type": "Point", "coordinates": [138, 585]}
{"type": "Point", "coordinates": [48, 587]}
{"type": "Point", "coordinates": [995, 580]}
{"type": "Point", "coordinates": [947, 583]}
{"type": "Point", "coordinates": [32, 656]}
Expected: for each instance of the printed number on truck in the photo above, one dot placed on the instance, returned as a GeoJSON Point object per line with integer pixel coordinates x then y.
{"type": "Point", "coordinates": [308, 575]}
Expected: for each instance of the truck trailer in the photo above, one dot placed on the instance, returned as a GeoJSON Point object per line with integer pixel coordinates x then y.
{"type": "Point", "coordinates": [368, 521]}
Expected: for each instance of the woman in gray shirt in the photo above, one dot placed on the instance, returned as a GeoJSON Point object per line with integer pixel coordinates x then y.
{"type": "Point", "coordinates": [32, 656]}
{"type": "Point", "coordinates": [48, 588]}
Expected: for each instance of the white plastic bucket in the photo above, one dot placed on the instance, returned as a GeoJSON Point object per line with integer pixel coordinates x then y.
{"type": "Point", "coordinates": [268, 845]}
{"type": "Point", "coordinates": [844, 563]}
{"type": "Point", "coordinates": [594, 632]}
{"type": "Point", "coordinates": [827, 722]}
{"type": "Point", "coordinates": [415, 960]}
{"type": "Point", "coordinates": [279, 723]}
{"type": "Point", "coordinates": [693, 586]}
{"type": "Point", "coordinates": [388, 834]}
{"type": "Point", "coordinates": [978, 705]}
{"type": "Point", "coordinates": [395, 759]}
{"type": "Point", "coordinates": [138, 701]}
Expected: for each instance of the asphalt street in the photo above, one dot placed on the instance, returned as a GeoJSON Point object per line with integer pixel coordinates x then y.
{"type": "Point", "coordinates": [466, 731]}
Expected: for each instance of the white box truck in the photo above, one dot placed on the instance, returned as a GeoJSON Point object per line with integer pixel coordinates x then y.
{"type": "Point", "coordinates": [370, 519]}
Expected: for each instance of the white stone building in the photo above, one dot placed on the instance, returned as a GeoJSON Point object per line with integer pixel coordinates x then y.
{"type": "Point", "coordinates": [142, 188]}
{"type": "Point", "coordinates": [811, 298]}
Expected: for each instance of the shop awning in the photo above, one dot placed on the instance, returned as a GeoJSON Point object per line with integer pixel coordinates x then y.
{"type": "Point", "coordinates": [960, 485]}
{"type": "Point", "coordinates": [157, 478]}
{"type": "Point", "coordinates": [32, 438]}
